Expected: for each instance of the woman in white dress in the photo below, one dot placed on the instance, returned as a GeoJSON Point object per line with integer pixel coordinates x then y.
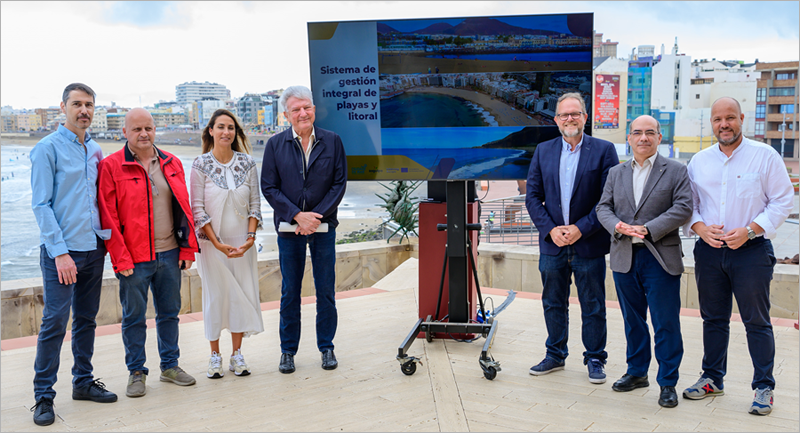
{"type": "Point", "coordinates": [226, 203]}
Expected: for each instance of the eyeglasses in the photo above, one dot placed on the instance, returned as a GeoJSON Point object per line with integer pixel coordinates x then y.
{"type": "Point", "coordinates": [565, 116]}
{"type": "Point", "coordinates": [650, 133]}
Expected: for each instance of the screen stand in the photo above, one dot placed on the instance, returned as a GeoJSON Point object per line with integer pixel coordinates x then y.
{"type": "Point", "coordinates": [459, 256]}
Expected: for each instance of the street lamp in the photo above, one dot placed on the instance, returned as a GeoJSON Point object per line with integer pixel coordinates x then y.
{"type": "Point", "coordinates": [783, 132]}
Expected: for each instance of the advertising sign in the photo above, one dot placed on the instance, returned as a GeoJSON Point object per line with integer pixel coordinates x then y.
{"type": "Point", "coordinates": [606, 111]}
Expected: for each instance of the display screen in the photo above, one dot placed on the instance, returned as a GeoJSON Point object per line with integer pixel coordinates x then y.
{"type": "Point", "coordinates": [447, 98]}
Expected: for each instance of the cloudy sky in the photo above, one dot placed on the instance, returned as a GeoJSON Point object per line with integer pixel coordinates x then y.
{"type": "Point", "coordinates": [132, 51]}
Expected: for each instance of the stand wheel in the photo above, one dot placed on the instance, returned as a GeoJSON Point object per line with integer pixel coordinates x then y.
{"type": "Point", "coordinates": [410, 368]}
{"type": "Point", "coordinates": [490, 373]}
{"type": "Point", "coordinates": [428, 334]}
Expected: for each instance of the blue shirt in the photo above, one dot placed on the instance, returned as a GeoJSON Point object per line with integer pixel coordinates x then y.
{"type": "Point", "coordinates": [64, 192]}
{"type": "Point", "coordinates": [566, 174]}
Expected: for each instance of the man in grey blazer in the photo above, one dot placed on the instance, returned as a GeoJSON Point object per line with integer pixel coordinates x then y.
{"type": "Point", "coordinates": [645, 201]}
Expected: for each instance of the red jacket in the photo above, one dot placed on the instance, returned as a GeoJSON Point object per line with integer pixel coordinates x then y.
{"type": "Point", "coordinates": [126, 207]}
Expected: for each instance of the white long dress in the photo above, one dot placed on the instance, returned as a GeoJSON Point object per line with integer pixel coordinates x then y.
{"type": "Point", "coordinates": [227, 196]}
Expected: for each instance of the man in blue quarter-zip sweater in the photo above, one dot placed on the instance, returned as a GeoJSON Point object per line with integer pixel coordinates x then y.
{"type": "Point", "coordinates": [303, 177]}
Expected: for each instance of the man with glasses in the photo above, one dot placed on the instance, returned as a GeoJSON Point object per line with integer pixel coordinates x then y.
{"type": "Point", "coordinates": [303, 177]}
{"type": "Point", "coordinates": [565, 182]}
{"type": "Point", "coordinates": [71, 251]}
{"type": "Point", "coordinates": [645, 202]}
{"type": "Point", "coordinates": [741, 196]}
{"type": "Point", "coordinates": [145, 203]}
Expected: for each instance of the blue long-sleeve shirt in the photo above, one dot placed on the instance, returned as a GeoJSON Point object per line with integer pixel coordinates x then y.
{"type": "Point", "coordinates": [64, 187]}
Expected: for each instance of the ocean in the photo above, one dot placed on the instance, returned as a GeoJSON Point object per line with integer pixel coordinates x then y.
{"type": "Point", "coordinates": [422, 110]}
{"type": "Point", "coordinates": [19, 240]}
{"type": "Point", "coordinates": [567, 56]}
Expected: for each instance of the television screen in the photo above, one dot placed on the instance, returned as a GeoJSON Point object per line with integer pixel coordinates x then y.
{"type": "Point", "coordinates": [447, 98]}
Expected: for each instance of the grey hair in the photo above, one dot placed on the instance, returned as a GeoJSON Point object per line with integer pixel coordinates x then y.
{"type": "Point", "coordinates": [573, 95]}
{"type": "Point", "coordinates": [77, 86]}
{"type": "Point", "coordinates": [299, 92]}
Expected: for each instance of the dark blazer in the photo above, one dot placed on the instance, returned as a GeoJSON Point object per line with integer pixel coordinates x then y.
{"type": "Point", "coordinates": [543, 198]}
{"type": "Point", "coordinates": [291, 187]}
{"type": "Point", "coordinates": [665, 205]}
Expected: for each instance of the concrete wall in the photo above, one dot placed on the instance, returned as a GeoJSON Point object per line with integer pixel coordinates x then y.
{"type": "Point", "coordinates": [507, 267]}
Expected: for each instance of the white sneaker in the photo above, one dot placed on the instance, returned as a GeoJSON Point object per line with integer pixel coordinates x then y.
{"type": "Point", "coordinates": [238, 366]}
{"type": "Point", "coordinates": [215, 366]}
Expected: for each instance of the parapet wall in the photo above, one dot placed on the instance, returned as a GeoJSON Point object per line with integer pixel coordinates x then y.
{"type": "Point", "coordinates": [359, 265]}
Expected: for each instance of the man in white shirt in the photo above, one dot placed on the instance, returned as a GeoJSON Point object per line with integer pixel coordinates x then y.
{"type": "Point", "coordinates": [741, 196]}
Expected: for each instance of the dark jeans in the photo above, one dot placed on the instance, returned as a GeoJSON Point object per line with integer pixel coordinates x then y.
{"type": "Point", "coordinates": [292, 253]}
{"type": "Point", "coordinates": [163, 277]}
{"type": "Point", "coordinates": [647, 283]}
{"type": "Point", "coordinates": [84, 298]}
{"type": "Point", "coordinates": [590, 277]}
{"type": "Point", "coordinates": [746, 272]}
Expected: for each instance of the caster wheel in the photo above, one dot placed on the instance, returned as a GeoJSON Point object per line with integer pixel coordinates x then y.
{"type": "Point", "coordinates": [490, 373]}
{"type": "Point", "coordinates": [428, 335]}
{"type": "Point", "coordinates": [409, 368]}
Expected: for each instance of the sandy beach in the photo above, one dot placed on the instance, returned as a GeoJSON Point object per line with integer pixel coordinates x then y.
{"type": "Point", "coordinates": [418, 64]}
{"type": "Point", "coordinates": [503, 113]}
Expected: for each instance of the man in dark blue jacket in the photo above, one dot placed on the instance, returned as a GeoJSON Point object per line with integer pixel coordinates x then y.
{"type": "Point", "coordinates": [303, 177]}
{"type": "Point", "coordinates": [565, 183]}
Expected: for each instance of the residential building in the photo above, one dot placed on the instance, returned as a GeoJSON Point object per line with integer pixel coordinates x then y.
{"type": "Point", "coordinates": [29, 121]}
{"type": "Point", "coordinates": [206, 108]}
{"type": "Point", "coordinates": [166, 119]}
{"type": "Point", "coordinates": [777, 106]}
{"type": "Point", "coordinates": [194, 91]}
{"type": "Point", "coordinates": [115, 121]}
{"type": "Point", "coordinates": [603, 49]}
{"type": "Point", "coordinates": [99, 121]}
{"type": "Point", "coordinates": [247, 108]}
{"type": "Point", "coordinates": [8, 122]}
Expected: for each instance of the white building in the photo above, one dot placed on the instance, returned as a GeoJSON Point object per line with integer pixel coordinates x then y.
{"type": "Point", "coordinates": [99, 121]}
{"type": "Point", "coordinates": [206, 109]}
{"type": "Point", "coordinates": [194, 91]}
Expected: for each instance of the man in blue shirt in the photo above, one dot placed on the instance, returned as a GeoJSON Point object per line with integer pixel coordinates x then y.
{"type": "Point", "coordinates": [72, 252]}
{"type": "Point", "coordinates": [565, 182]}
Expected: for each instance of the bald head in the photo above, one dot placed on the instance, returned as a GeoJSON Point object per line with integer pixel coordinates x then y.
{"type": "Point", "coordinates": [727, 100]}
{"type": "Point", "coordinates": [140, 130]}
{"type": "Point", "coordinates": [644, 123]}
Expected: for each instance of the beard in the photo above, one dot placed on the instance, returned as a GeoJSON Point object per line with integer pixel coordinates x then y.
{"type": "Point", "coordinates": [569, 134]}
{"type": "Point", "coordinates": [728, 142]}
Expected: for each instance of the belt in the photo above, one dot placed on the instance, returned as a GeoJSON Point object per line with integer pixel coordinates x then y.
{"type": "Point", "coordinates": [755, 240]}
{"type": "Point", "coordinates": [638, 245]}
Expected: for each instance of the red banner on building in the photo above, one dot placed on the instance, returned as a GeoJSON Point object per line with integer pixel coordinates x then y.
{"type": "Point", "coordinates": [606, 101]}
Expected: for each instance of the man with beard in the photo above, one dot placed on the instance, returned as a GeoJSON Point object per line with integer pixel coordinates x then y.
{"type": "Point", "coordinates": [741, 196]}
{"type": "Point", "coordinates": [565, 183]}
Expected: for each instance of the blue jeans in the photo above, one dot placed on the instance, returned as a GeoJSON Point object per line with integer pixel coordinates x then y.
{"type": "Point", "coordinates": [84, 298]}
{"type": "Point", "coordinates": [590, 277]}
{"type": "Point", "coordinates": [746, 272]}
{"type": "Point", "coordinates": [647, 283]}
{"type": "Point", "coordinates": [292, 253]}
{"type": "Point", "coordinates": [163, 277]}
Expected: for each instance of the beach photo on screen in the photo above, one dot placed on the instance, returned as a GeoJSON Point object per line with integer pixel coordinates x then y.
{"type": "Point", "coordinates": [469, 153]}
{"type": "Point", "coordinates": [485, 44]}
{"type": "Point", "coordinates": [484, 99]}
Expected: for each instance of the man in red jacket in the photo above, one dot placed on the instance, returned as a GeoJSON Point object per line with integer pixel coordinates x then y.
{"type": "Point", "coordinates": [144, 202]}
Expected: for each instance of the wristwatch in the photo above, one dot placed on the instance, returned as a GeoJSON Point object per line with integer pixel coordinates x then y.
{"type": "Point", "coordinates": [750, 233]}
{"type": "Point", "coordinates": [251, 235]}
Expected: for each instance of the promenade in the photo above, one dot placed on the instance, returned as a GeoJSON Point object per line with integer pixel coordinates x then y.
{"type": "Point", "coordinates": [369, 393]}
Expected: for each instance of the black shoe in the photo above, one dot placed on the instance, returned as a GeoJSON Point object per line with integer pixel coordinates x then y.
{"type": "Point", "coordinates": [668, 397]}
{"type": "Point", "coordinates": [329, 361]}
{"type": "Point", "coordinates": [287, 363]}
{"type": "Point", "coordinates": [43, 411]}
{"type": "Point", "coordinates": [629, 383]}
{"type": "Point", "coordinates": [95, 391]}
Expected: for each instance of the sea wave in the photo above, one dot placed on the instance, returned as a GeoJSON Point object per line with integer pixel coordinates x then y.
{"type": "Point", "coordinates": [480, 168]}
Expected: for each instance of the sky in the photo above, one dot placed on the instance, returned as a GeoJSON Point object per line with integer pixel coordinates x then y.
{"type": "Point", "coordinates": [135, 53]}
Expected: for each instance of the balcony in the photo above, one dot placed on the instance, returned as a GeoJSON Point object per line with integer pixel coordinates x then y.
{"type": "Point", "coordinates": [778, 117]}
{"type": "Point", "coordinates": [777, 134]}
{"type": "Point", "coordinates": [772, 100]}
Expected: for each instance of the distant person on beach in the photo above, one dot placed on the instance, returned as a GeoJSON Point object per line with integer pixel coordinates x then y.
{"type": "Point", "coordinates": [565, 182]}
{"type": "Point", "coordinates": [145, 204]}
{"type": "Point", "coordinates": [645, 202]}
{"type": "Point", "coordinates": [741, 196]}
{"type": "Point", "coordinates": [72, 253]}
{"type": "Point", "coordinates": [303, 177]}
{"type": "Point", "coordinates": [226, 203]}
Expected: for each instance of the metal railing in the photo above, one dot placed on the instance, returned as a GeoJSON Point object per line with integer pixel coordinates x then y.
{"type": "Point", "coordinates": [506, 221]}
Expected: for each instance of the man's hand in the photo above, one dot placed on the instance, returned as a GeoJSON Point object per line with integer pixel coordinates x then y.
{"type": "Point", "coordinates": [67, 271]}
{"type": "Point", "coordinates": [735, 238]}
{"type": "Point", "coordinates": [629, 230]}
{"type": "Point", "coordinates": [126, 272]}
{"type": "Point", "coordinates": [185, 264]}
{"type": "Point", "coordinates": [573, 234]}
{"type": "Point", "coordinates": [307, 222]}
{"type": "Point", "coordinates": [559, 236]}
{"type": "Point", "coordinates": [710, 234]}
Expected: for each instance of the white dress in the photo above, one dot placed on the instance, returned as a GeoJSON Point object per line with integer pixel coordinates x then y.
{"type": "Point", "coordinates": [226, 196]}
